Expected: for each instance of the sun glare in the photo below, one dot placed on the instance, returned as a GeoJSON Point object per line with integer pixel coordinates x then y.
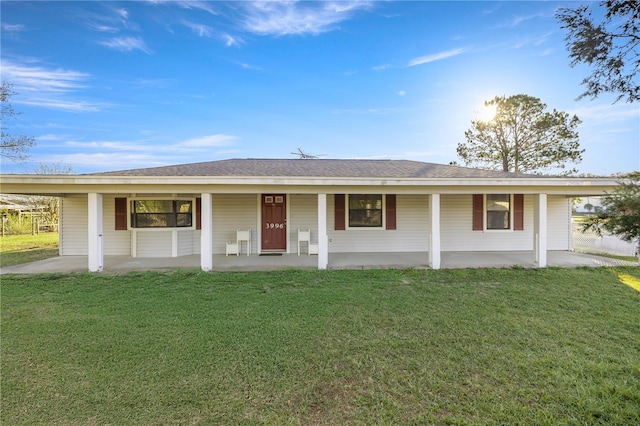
{"type": "Point", "coordinates": [487, 113]}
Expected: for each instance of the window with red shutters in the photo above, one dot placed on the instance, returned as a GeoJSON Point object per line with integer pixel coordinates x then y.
{"type": "Point", "coordinates": [365, 211]}
{"type": "Point", "coordinates": [497, 218]}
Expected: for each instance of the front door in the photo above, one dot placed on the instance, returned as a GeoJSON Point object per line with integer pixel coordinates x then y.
{"type": "Point", "coordinates": [274, 222]}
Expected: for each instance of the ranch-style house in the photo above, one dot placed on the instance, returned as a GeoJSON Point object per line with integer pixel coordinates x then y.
{"type": "Point", "coordinates": [322, 207]}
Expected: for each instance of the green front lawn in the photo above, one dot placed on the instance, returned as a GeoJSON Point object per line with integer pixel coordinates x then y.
{"type": "Point", "coordinates": [17, 249]}
{"type": "Point", "coordinates": [477, 346]}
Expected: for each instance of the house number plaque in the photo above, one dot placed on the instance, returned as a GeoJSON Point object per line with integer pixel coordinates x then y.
{"type": "Point", "coordinates": [274, 225]}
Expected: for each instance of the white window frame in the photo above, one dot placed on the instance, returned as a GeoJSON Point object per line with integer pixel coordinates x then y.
{"type": "Point", "coordinates": [485, 215]}
{"type": "Point", "coordinates": [159, 229]}
{"type": "Point", "coordinates": [383, 226]}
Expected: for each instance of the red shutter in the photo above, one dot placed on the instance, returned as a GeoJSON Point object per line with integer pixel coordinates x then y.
{"type": "Point", "coordinates": [339, 212]}
{"type": "Point", "coordinates": [198, 213]}
{"type": "Point", "coordinates": [518, 212]}
{"type": "Point", "coordinates": [121, 214]}
{"type": "Point", "coordinates": [478, 212]}
{"type": "Point", "coordinates": [391, 211]}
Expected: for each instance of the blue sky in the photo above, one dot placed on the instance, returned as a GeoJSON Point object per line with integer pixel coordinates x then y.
{"type": "Point", "coordinates": [118, 85]}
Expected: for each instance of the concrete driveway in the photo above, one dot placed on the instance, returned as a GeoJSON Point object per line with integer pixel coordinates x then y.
{"type": "Point", "coordinates": [450, 260]}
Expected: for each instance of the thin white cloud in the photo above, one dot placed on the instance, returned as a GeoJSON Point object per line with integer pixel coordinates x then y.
{"type": "Point", "coordinates": [230, 40]}
{"type": "Point", "coordinates": [248, 66]}
{"type": "Point", "coordinates": [294, 18]}
{"type": "Point", "coordinates": [158, 83]}
{"type": "Point", "coordinates": [12, 27]}
{"type": "Point", "coordinates": [381, 67]}
{"type": "Point", "coordinates": [517, 20]}
{"type": "Point", "coordinates": [51, 88]}
{"type": "Point", "coordinates": [111, 161]}
{"type": "Point", "coordinates": [200, 29]}
{"type": "Point", "coordinates": [534, 40]}
{"type": "Point", "coordinates": [103, 28]}
{"type": "Point", "coordinates": [188, 4]}
{"type": "Point", "coordinates": [122, 146]}
{"type": "Point", "coordinates": [65, 105]}
{"type": "Point", "coordinates": [436, 57]}
{"type": "Point", "coordinates": [366, 111]}
{"type": "Point", "coordinates": [401, 92]}
{"type": "Point", "coordinates": [39, 78]}
{"type": "Point", "coordinates": [201, 5]}
{"type": "Point", "coordinates": [199, 144]}
{"type": "Point", "coordinates": [606, 113]}
{"type": "Point", "coordinates": [122, 13]}
{"type": "Point", "coordinates": [209, 141]}
{"type": "Point", "coordinates": [126, 44]}
{"type": "Point", "coordinates": [111, 20]}
{"type": "Point", "coordinates": [124, 154]}
{"type": "Point", "coordinates": [48, 137]}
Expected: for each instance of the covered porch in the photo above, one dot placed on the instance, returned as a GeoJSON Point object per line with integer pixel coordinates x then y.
{"type": "Point", "coordinates": [417, 260]}
{"type": "Point", "coordinates": [427, 226]}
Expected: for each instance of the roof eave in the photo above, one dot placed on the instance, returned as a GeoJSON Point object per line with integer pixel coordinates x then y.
{"type": "Point", "coordinates": [110, 184]}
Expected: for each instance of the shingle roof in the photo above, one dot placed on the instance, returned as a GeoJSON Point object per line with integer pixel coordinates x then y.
{"type": "Point", "coordinates": [321, 168]}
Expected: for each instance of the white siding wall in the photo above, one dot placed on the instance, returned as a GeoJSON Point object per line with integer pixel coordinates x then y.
{"type": "Point", "coordinates": [195, 242]}
{"type": "Point", "coordinates": [74, 226]}
{"type": "Point", "coordinates": [153, 243]}
{"type": "Point", "coordinates": [558, 223]}
{"type": "Point", "coordinates": [457, 235]}
{"type": "Point", "coordinates": [456, 222]}
{"type": "Point", "coordinates": [240, 211]}
{"type": "Point", "coordinates": [159, 243]}
{"type": "Point", "coordinates": [115, 242]}
{"type": "Point", "coordinates": [303, 214]}
{"type": "Point", "coordinates": [411, 235]}
{"type": "Point", "coordinates": [185, 243]}
{"type": "Point", "coordinates": [230, 213]}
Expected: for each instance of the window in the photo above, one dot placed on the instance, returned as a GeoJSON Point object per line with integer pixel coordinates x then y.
{"type": "Point", "coordinates": [161, 213]}
{"type": "Point", "coordinates": [365, 210]}
{"type": "Point", "coordinates": [498, 211]}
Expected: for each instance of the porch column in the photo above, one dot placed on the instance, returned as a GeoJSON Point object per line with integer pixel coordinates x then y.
{"type": "Point", "coordinates": [206, 233]}
{"type": "Point", "coordinates": [540, 230]}
{"type": "Point", "coordinates": [323, 239]}
{"type": "Point", "coordinates": [434, 240]}
{"type": "Point", "coordinates": [94, 228]}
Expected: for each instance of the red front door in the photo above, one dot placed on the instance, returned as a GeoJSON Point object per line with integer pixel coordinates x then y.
{"type": "Point", "coordinates": [274, 222]}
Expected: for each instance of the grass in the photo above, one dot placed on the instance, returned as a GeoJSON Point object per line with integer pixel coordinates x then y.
{"type": "Point", "coordinates": [17, 249]}
{"type": "Point", "coordinates": [477, 346]}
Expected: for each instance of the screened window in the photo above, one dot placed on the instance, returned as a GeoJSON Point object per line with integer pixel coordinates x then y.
{"type": "Point", "coordinates": [365, 210]}
{"type": "Point", "coordinates": [161, 213]}
{"type": "Point", "coordinates": [498, 211]}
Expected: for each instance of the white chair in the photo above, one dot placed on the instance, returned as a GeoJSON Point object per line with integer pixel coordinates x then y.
{"type": "Point", "coordinates": [304, 235]}
{"type": "Point", "coordinates": [243, 235]}
{"type": "Point", "coordinates": [232, 248]}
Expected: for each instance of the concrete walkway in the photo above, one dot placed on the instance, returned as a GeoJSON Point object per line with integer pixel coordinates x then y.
{"type": "Point", "coordinates": [450, 260]}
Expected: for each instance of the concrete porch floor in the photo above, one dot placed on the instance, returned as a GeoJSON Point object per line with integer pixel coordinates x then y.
{"type": "Point", "coordinates": [450, 260]}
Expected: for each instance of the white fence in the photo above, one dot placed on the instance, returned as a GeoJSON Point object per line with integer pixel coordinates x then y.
{"type": "Point", "coordinates": [590, 242]}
